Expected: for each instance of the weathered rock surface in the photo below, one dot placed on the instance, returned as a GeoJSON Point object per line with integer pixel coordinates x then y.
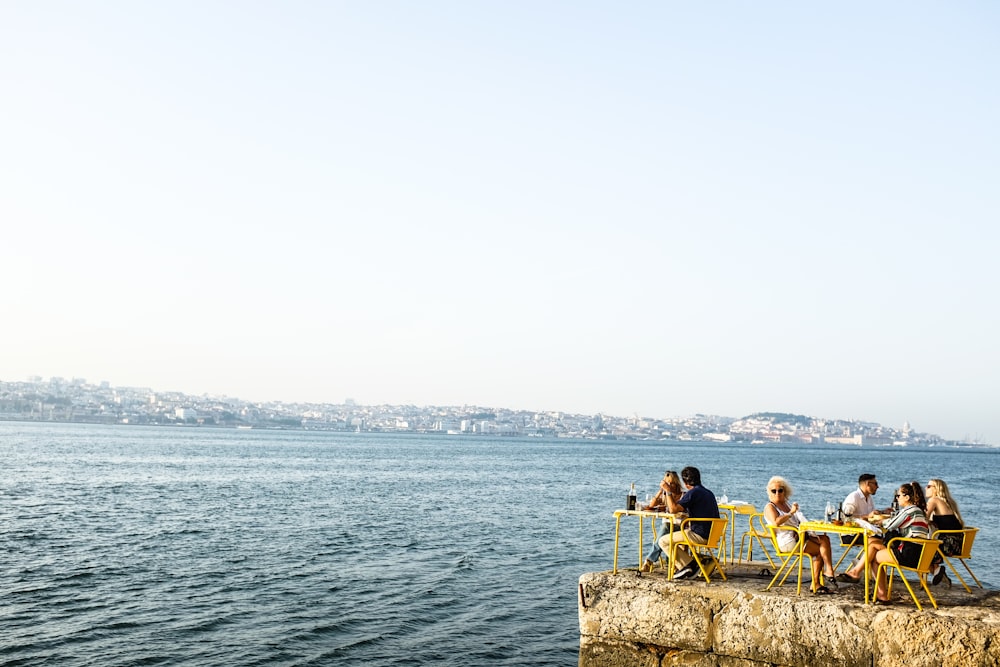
{"type": "Point", "coordinates": [629, 620]}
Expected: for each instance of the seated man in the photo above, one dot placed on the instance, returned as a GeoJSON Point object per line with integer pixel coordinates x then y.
{"type": "Point", "coordinates": [859, 503]}
{"type": "Point", "coordinates": [698, 503]}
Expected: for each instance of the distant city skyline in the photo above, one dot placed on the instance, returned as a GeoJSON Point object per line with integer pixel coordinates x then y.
{"type": "Point", "coordinates": [661, 208]}
{"type": "Point", "coordinates": [117, 403]}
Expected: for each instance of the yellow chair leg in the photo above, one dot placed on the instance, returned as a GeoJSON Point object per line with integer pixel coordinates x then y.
{"type": "Point", "coordinates": [952, 566]}
{"type": "Point", "coordinates": [972, 574]}
{"type": "Point", "coordinates": [912, 592]}
{"type": "Point", "coordinates": [889, 572]}
{"type": "Point", "coordinates": [923, 582]}
{"type": "Point", "coordinates": [763, 548]}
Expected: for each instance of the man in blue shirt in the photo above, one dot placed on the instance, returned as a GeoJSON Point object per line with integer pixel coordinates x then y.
{"type": "Point", "coordinates": [698, 503]}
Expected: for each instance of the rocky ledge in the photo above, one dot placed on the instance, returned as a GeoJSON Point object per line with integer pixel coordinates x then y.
{"type": "Point", "coordinates": [632, 619]}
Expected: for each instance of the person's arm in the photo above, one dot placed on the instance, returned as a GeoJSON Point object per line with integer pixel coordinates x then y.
{"type": "Point", "coordinates": [658, 500]}
{"type": "Point", "coordinates": [673, 503]}
{"type": "Point", "coordinates": [898, 520]}
{"type": "Point", "coordinates": [933, 507]}
{"type": "Point", "coordinates": [775, 518]}
{"type": "Point", "coordinates": [771, 514]}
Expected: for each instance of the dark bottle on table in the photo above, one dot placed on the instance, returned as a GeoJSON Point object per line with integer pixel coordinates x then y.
{"type": "Point", "coordinates": [630, 500]}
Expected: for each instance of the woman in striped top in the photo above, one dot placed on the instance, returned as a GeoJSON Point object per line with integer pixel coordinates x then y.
{"type": "Point", "coordinates": [910, 521]}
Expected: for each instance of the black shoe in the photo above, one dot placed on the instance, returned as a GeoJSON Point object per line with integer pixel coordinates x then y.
{"type": "Point", "coordinates": [684, 573]}
{"type": "Point", "coordinates": [938, 576]}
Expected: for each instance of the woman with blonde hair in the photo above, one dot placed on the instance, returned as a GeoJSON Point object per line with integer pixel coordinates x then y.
{"type": "Point", "coordinates": [941, 504]}
{"type": "Point", "coordinates": [943, 513]}
{"type": "Point", "coordinates": [778, 512]}
{"type": "Point", "coordinates": [670, 485]}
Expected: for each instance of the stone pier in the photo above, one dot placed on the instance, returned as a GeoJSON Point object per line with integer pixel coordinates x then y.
{"type": "Point", "coordinates": [631, 619]}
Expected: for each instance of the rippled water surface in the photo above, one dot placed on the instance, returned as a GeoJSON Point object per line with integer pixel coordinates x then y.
{"type": "Point", "coordinates": [129, 545]}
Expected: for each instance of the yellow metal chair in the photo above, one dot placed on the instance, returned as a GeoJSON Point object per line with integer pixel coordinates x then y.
{"type": "Point", "coordinates": [757, 530]}
{"type": "Point", "coordinates": [923, 568]}
{"type": "Point", "coordinates": [968, 537]}
{"type": "Point", "coordinates": [701, 551]}
{"type": "Point", "coordinates": [789, 559]}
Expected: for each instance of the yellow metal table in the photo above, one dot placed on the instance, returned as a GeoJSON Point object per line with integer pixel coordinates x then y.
{"type": "Point", "coordinates": [733, 509]}
{"type": "Point", "coordinates": [642, 515]}
{"type": "Point", "coordinates": [847, 528]}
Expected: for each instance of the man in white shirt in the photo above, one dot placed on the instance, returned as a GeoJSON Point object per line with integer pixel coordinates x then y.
{"type": "Point", "coordinates": [859, 503]}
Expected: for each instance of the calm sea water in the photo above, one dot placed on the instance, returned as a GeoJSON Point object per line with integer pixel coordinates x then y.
{"type": "Point", "coordinates": [129, 545]}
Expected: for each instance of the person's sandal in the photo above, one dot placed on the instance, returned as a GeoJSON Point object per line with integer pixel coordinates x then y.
{"type": "Point", "coordinates": [831, 580]}
{"type": "Point", "coordinates": [822, 590]}
{"type": "Point", "coordinates": [880, 601]}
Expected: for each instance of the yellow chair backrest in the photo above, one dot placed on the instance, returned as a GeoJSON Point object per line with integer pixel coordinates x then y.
{"type": "Point", "coordinates": [758, 524]}
{"type": "Point", "coordinates": [715, 535]}
{"type": "Point", "coordinates": [968, 537]}
{"type": "Point", "coordinates": [774, 537]}
{"type": "Point", "coordinates": [928, 549]}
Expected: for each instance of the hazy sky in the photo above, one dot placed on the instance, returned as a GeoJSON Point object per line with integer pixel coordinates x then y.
{"type": "Point", "coordinates": [659, 208]}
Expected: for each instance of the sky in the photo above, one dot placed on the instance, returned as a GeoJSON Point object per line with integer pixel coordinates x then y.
{"type": "Point", "coordinates": [652, 208]}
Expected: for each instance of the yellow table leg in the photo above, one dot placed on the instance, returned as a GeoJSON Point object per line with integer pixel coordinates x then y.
{"type": "Point", "coordinates": [618, 521]}
{"type": "Point", "coordinates": [640, 541]}
{"type": "Point", "coordinates": [864, 545]}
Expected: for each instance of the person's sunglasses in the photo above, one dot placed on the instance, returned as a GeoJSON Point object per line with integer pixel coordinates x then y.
{"type": "Point", "coordinates": [776, 491]}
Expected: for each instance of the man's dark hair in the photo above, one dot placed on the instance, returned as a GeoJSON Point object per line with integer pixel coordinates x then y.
{"type": "Point", "coordinates": [867, 477]}
{"type": "Point", "coordinates": [691, 476]}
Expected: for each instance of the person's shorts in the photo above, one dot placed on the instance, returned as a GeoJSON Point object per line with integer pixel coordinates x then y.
{"type": "Point", "coordinates": [907, 554]}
